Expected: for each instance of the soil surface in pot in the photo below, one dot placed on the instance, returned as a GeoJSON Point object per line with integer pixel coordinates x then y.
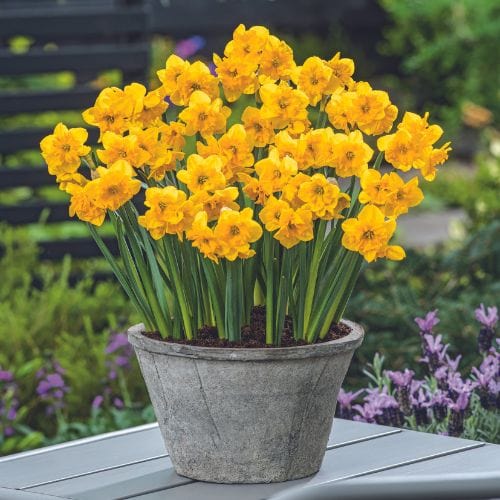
{"type": "Point", "coordinates": [254, 334]}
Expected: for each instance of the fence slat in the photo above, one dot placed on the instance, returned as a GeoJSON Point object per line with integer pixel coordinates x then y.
{"type": "Point", "coordinates": [12, 141]}
{"type": "Point", "coordinates": [78, 248]}
{"type": "Point", "coordinates": [132, 57]}
{"type": "Point", "coordinates": [72, 22]}
{"type": "Point", "coordinates": [21, 101]}
{"type": "Point", "coordinates": [33, 177]}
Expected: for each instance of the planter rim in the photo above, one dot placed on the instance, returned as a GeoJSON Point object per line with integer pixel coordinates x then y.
{"type": "Point", "coordinates": [347, 343]}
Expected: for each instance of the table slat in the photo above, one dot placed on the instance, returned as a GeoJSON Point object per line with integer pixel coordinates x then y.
{"type": "Point", "coordinates": [356, 459]}
{"type": "Point", "coordinates": [158, 474]}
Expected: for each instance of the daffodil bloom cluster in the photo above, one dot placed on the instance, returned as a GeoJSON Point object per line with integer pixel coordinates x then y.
{"type": "Point", "coordinates": [283, 199]}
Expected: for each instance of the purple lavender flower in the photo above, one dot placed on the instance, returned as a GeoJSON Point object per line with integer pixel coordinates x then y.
{"type": "Point", "coordinates": [403, 382]}
{"type": "Point", "coordinates": [427, 323]}
{"type": "Point", "coordinates": [439, 402]}
{"type": "Point", "coordinates": [9, 403]}
{"type": "Point", "coordinates": [52, 387]}
{"type": "Point", "coordinates": [366, 413]}
{"type": "Point", "coordinates": [189, 46]}
{"type": "Point", "coordinates": [97, 401]}
{"type": "Point", "coordinates": [488, 319]}
{"type": "Point", "coordinates": [457, 414]}
{"type": "Point", "coordinates": [345, 400]}
{"type": "Point", "coordinates": [420, 403]}
{"type": "Point", "coordinates": [119, 354]}
{"type": "Point", "coordinates": [389, 410]}
{"type": "Point", "coordinates": [434, 351]}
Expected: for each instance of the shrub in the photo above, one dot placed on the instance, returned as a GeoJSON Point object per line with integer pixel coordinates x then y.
{"type": "Point", "coordinates": [443, 401]}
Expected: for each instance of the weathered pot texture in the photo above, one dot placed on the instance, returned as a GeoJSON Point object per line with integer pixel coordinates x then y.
{"type": "Point", "coordinates": [245, 415]}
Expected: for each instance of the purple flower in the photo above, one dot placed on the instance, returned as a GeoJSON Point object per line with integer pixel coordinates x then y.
{"type": "Point", "coordinates": [345, 400]}
{"type": "Point", "coordinates": [9, 403]}
{"type": "Point", "coordinates": [420, 406]}
{"type": "Point", "coordinates": [427, 323]}
{"type": "Point", "coordinates": [487, 318]}
{"type": "Point", "coordinates": [117, 341]}
{"type": "Point", "coordinates": [366, 413]}
{"type": "Point", "coordinates": [189, 46]}
{"type": "Point", "coordinates": [51, 387]}
{"type": "Point", "coordinates": [389, 412]}
{"type": "Point", "coordinates": [403, 382]}
{"type": "Point", "coordinates": [6, 376]}
{"type": "Point", "coordinates": [434, 351]}
{"type": "Point", "coordinates": [97, 402]}
{"type": "Point", "coordinates": [118, 403]}
{"type": "Point", "coordinates": [401, 379]}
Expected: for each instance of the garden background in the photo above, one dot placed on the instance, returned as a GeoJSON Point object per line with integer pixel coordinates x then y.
{"type": "Point", "coordinates": [66, 369]}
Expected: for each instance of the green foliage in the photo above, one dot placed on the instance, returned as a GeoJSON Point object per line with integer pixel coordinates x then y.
{"type": "Point", "coordinates": [449, 51]}
{"type": "Point", "coordinates": [478, 194]}
{"type": "Point", "coordinates": [56, 320]}
{"type": "Point", "coordinates": [388, 296]}
{"type": "Point", "coordinates": [479, 424]}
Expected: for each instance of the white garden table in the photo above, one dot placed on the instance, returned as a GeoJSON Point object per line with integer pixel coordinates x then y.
{"type": "Point", "coordinates": [133, 464]}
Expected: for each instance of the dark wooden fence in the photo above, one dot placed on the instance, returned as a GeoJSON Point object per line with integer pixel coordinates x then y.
{"type": "Point", "coordinates": [87, 37]}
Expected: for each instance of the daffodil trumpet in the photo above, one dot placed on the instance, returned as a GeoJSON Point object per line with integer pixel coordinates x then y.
{"type": "Point", "coordinates": [257, 213]}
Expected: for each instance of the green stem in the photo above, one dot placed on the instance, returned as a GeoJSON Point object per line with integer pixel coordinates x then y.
{"type": "Point", "coordinates": [179, 290]}
{"type": "Point", "coordinates": [269, 264]}
{"type": "Point", "coordinates": [313, 272]}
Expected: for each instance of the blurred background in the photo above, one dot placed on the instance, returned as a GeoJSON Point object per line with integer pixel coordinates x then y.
{"type": "Point", "coordinates": [66, 369]}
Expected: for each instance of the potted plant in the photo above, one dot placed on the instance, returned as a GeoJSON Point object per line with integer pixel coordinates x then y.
{"type": "Point", "coordinates": [257, 222]}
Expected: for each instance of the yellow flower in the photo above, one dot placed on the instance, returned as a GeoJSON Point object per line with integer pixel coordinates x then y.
{"type": "Point", "coordinates": [321, 197]}
{"type": "Point", "coordinates": [164, 161]}
{"type": "Point", "coordinates": [351, 154]}
{"type": "Point", "coordinates": [247, 46]}
{"type": "Point", "coordinates": [234, 82]}
{"type": "Point", "coordinates": [236, 147]}
{"type": "Point", "coordinates": [170, 212]}
{"type": "Point", "coordinates": [213, 203]}
{"type": "Point", "coordinates": [63, 149]}
{"type": "Point", "coordinates": [375, 187]}
{"type": "Point", "coordinates": [195, 78]}
{"type": "Point", "coordinates": [114, 108]}
{"type": "Point", "coordinates": [115, 185]}
{"type": "Point", "coordinates": [291, 190]}
{"type": "Point", "coordinates": [400, 149]}
{"type": "Point", "coordinates": [82, 203]}
{"type": "Point", "coordinates": [154, 107]}
{"type": "Point", "coordinates": [277, 60]}
{"type": "Point", "coordinates": [254, 188]}
{"type": "Point", "coordinates": [403, 196]}
{"type": "Point", "coordinates": [274, 172]}
{"type": "Point", "coordinates": [260, 130]}
{"type": "Point", "coordinates": [369, 235]}
{"type": "Point", "coordinates": [117, 147]}
{"type": "Point", "coordinates": [274, 213]}
{"type": "Point", "coordinates": [339, 108]}
{"type": "Point", "coordinates": [203, 174]}
{"type": "Point", "coordinates": [283, 104]}
{"type": "Point", "coordinates": [172, 135]}
{"type": "Point", "coordinates": [437, 156]}
{"type": "Point", "coordinates": [236, 230]}
{"type": "Point", "coordinates": [412, 145]}
{"type": "Point", "coordinates": [389, 192]}
{"type": "Point", "coordinates": [203, 237]}
{"type": "Point", "coordinates": [295, 227]}
{"type": "Point", "coordinates": [174, 67]}
{"type": "Point", "coordinates": [204, 115]}
{"type": "Point", "coordinates": [314, 79]}
{"type": "Point", "coordinates": [288, 146]}
{"type": "Point", "coordinates": [316, 148]}
{"type": "Point", "coordinates": [368, 108]}
{"type": "Point", "coordinates": [342, 70]}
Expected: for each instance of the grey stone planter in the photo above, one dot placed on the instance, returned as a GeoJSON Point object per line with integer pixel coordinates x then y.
{"type": "Point", "coordinates": [245, 415]}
